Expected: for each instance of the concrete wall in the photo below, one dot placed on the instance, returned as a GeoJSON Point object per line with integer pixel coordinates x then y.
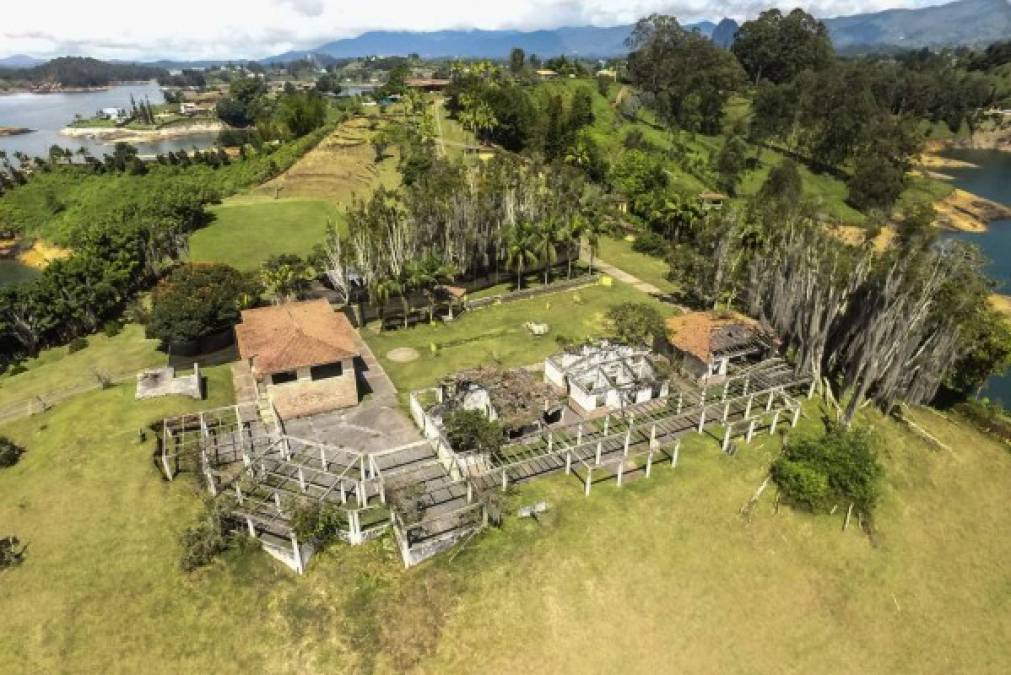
{"type": "Point", "coordinates": [305, 396]}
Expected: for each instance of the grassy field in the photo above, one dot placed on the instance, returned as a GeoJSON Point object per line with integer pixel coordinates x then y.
{"type": "Point", "coordinates": [650, 269]}
{"type": "Point", "coordinates": [496, 334]}
{"type": "Point", "coordinates": [660, 574]}
{"type": "Point", "coordinates": [341, 168]}
{"type": "Point", "coordinates": [246, 230]}
{"type": "Point", "coordinates": [57, 369]}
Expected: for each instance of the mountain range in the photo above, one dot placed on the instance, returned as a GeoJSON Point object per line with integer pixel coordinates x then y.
{"type": "Point", "coordinates": [964, 22]}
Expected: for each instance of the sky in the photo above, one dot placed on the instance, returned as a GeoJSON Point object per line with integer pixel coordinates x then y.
{"type": "Point", "coordinates": [248, 29]}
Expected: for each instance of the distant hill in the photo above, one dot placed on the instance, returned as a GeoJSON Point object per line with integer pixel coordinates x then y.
{"type": "Point", "coordinates": [586, 41]}
{"type": "Point", "coordinates": [966, 22]}
{"type": "Point", "coordinates": [725, 33]}
{"type": "Point", "coordinates": [19, 61]}
{"type": "Point", "coordinates": [76, 71]}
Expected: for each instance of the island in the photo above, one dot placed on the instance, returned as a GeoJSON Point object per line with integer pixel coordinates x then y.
{"type": "Point", "coordinates": [14, 131]}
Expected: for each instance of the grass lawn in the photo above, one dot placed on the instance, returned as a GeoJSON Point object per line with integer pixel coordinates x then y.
{"type": "Point", "coordinates": [650, 269]}
{"type": "Point", "coordinates": [56, 369]}
{"type": "Point", "coordinates": [665, 568]}
{"type": "Point", "coordinates": [247, 230]}
{"type": "Point", "coordinates": [496, 334]}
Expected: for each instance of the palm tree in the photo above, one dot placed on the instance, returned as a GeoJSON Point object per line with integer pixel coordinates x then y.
{"type": "Point", "coordinates": [520, 250]}
{"type": "Point", "coordinates": [545, 238]}
{"type": "Point", "coordinates": [571, 234]}
{"type": "Point", "coordinates": [593, 228]}
{"type": "Point", "coordinates": [380, 291]}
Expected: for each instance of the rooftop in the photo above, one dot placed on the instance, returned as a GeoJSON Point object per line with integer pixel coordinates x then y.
{"type": "Point", "coordinates": [294, 335]}
{"type": "Point", "coordinates": [705, 334]}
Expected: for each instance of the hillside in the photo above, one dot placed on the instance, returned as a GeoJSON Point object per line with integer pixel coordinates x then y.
{"type": "Point", "coordinates": [966, 22]}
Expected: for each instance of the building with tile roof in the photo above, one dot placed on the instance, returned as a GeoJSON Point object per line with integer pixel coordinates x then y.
{"type": "Point", "coordinates": [707, 342]}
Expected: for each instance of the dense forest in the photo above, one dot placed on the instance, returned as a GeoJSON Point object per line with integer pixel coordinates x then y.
{"type": "Point", "coordinates": [76, 71]}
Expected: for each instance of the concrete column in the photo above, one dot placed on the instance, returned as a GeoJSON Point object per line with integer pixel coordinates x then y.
{"type": "Point", "coordinates": [589, 481]}
{"type": "Point", "coordinates": [579, 434]}
{"type": "Point", "coordinates": [551, 441]}
{"type": "Point", "coordinates": [277, 502]}
{"type": "Point", "coordinates": [344, 492]}
{"type": "Point", "coordinates": [607, 422]}
{"type": "Point", "coordinates": [238, 494]}
{"type": "Point", "coordinates": [251, 527]}
{"type": "Point", "coordinates": [296, 554]}
{"type": "Point", "coordinates": [628, 439]}
{"type": "Point", "coordinates": [649, 461]}
{"type": "Point", "coordinates": [354, 527]}
{"type": "Point", "coordinates": [768, 402]}
{"type": "Point", "coordinates": [751, 431]}
{"type": "Point", "coordinates": [621, 472]}
{"type": "Point", "coordinates": [681, 400]}
{"type": "Point", "coordinates": [796, 416]}
{"type": "Point", "coordinates": [702, 420]}
{"type": "Point", "coordinates": [726, 411]}
{"type": "Point", "coordinates": [810, 390]}
{"type": "Point", "coordinates": [726, 389]}
{"type": "Point", "coordinates": [747, 407]}
{"type": "Point", "coordinates": [726, 436]}
{"type": "Point", "coordinates": [747, 383]}
{"type": "Point", "coordinates": [652, 436]}
{"type": "Point", "coordinates": [674, 455]}
{"type": "Point", "coordinates": [505, 480]}
{"type": "Point", "coordinates": [301, 479]}
{"type": "Point", "coordinates": [470, 492]}
{"type": "Point", "coordinates": [568, 463]}
{"type": "Point", "coordinates": [775, 421]}
{"type": "Point", "coordinates": [322, 457]}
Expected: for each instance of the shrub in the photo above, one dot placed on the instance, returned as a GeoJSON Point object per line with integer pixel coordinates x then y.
{"type": "Point", "coordinates": [318, 523]}
{"type": "Point", "coordinates": [10, 452]}
{"type": "Point", "coordinates": [112, 328]}
{"type": "Point", "coordinates": [17, 369]}
{"type": "Point", "coordinates": [837, 467]}
{"type": "Point", "coordinates": [196, 300]}
{"type": "Point", "coordinates": [203, 541]}
{"type": "Point", "coordinates": [471, 431]}
{"type": "Point", "coordinates": [77, 344]}
{"type": "Point", "coordinates": [12, 553]}
{"type": "Point", "coordinates": [651, 243]}
{"type": "Point", "coordinates": [636, 323]}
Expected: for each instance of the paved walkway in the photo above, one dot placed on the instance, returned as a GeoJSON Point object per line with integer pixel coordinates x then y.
{"type": "Point", "coordinates": [626, 278]}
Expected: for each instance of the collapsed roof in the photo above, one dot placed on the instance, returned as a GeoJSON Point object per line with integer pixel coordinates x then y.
{"type": "Point", "coordinates": [707, 335]}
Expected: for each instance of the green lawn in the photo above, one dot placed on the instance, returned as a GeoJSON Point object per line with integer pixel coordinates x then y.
{"type": "Point", "coordinates": [650, 269]}
{"type": "Point", "coordinates": [496, 334]}
{"type": "Point", "coordinates": [247, 230]}
{"type": "Point", "coordinates": [56, 369]}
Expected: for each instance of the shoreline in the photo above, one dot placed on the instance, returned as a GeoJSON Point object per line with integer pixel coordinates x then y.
{"type": "Point", "coordinates": [14, 131]}
{"type": "Point", "coordinates": [114, 134]}
{"type": "Point", "coordinates": [963, 211]}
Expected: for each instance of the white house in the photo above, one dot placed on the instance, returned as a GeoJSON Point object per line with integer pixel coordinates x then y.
{"type": "Point", "coordinates": [114, 114]}
{"type": "Point", "coordinates": [605, 376]}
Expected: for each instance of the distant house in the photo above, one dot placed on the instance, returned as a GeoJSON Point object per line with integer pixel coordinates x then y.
{"type": "Point", "coordinates": [607, 72]}
{"type": "Point", "coordinates": [112, 114]}
{"type": "Point", "coordinates": [302, 356]}
{"type": "Point", "coordinates": [712, 200]}
{"type": "Point", "coordinates": [605, 376]}
{"type": "Point", "coordinates": [428, 84]}
{"type": "Point", "coordinates": [706, 343]}
{"type": "Point", "coordinates": [546, 74]}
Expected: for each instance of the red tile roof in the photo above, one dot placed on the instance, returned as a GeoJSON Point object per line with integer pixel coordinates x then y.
{"type": "Point", "coordinates": [697, 333]}
{"type": "Point", "coordinates": [295, 335]}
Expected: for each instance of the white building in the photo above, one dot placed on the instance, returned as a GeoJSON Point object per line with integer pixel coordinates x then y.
{"type": "Point", "coordinates": [605, 376]}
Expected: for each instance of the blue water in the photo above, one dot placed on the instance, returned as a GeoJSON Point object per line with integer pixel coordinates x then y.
{"type": "Point", "coordinates": [48, 113]}
{"type": "Point", "coordinates": [990, 178]}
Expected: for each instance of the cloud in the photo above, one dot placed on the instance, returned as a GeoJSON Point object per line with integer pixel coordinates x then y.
{"type": "Point", "coordinates": [235, 29]}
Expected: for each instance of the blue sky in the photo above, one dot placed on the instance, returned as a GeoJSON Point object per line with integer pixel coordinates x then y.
{"type": "Point", "coordinates": [197, 29]}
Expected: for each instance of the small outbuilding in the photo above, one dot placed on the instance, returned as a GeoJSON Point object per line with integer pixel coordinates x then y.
{"type": "Point", "coordinates": [302, 356]}
{"type": "Point", "coordinates": [705, 343]}
{"type": "Point", "coordinates": [604, 376]}
{"type": "Point", "coordinates": [713, 200]}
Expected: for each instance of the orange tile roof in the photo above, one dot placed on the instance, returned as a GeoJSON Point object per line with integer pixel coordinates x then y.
{"type": "Point", "coordinates": [295, 335]}
{"type": "Point", "coordinates": [695, 332]}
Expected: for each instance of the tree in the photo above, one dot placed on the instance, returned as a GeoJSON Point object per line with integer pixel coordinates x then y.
{"type": "Point", "coordinates": [470, 431]}
{"type": "Point", "coordinates": [876, 182]}
{"type": "Point", "coordinates": [302, 113]}
{"type": "Point", "coordinates": [380, 292]}
{"type": "Point", "coordinates": [546, 237]}
{"type": "Point", "coordinates": [777, 47]}
{"type": "Point", "coordinates": [636, 324]}
{"type": "Point", "coordinates": [286, 277]}
{"type": "Point", "coordinates": [593, 229]}
{"type": "Point", "coordinates": [690, 79]}
{"type": "Point", "coordinates": [521, 249]}
{"type": "Point", "coordinates": [729, 163]}
{"type": "Point", "coordinates": [517, 60]}
{"type": "Point", "coordinates": [196, 300]}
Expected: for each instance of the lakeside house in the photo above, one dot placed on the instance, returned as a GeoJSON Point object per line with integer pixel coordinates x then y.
{"type": "Point", "coordinates": [302, 356]}
{"type": "Point", "coordinates": [706, 343]}
{"type": "Point", "coordinates": [111, 114]}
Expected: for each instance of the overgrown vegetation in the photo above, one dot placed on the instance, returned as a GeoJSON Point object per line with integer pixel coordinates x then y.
{"type": "Point", "coordinates": [196, 300]}
{"type": "Point", "coordinates": [470, 431]}
{"type": "Point", "coordinates": [203, 541]}
{"type": "Point", "coordinates": [834, 470]}
{"type": "Point", "coordinates": [10, 452]}
{"type": "Point", "coordinates": [636, 324]}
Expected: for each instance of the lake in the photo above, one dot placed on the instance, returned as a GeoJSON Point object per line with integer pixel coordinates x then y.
{"type": "Point", "coordinates": [990, 178]}
{"type": "Point", "coordinates": [48, 113]}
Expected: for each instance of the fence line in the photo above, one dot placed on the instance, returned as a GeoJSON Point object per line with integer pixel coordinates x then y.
{"type": "Point", "coordinates": [27, 407]}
